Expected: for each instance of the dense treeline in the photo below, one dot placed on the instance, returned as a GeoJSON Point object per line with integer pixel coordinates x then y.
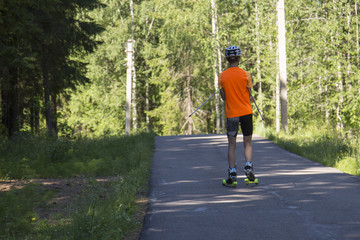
{"type": "Point", "coordinates": [40, 46]}
{"type": "Point", "coordinates": [43, 58]}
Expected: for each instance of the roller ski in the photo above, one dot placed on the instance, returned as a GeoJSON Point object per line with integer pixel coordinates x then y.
{"type": "Point", "coordinates": [250, 177]}
{"type": "Point", "coordinates": [231, 180]}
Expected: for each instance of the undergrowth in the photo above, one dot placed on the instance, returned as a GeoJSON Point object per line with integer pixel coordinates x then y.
{"type": "Point", "coordinates": [30, 156]}
{"type": "Point", "coordinates": [100, 212]}
{"type": "Point", "coordinates": [320, 145]}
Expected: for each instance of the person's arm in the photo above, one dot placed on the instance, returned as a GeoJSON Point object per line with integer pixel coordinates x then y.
{"type": "Point", "coordinates": [222, 94]}
{"type": "Point", "coordinates": [249, 80]}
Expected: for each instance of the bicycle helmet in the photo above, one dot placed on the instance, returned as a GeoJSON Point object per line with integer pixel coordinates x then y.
{"type": "Point", "coordinates": [233, 51]}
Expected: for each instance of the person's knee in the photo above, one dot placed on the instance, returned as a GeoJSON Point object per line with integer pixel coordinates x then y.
{"type": "Point", "coordinates": [247, 139]}
{"type": "Point", "coordinates": [232, 140]}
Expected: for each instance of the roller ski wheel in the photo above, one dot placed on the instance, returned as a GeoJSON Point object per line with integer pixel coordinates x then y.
{"type": "Point", "coordinates": [231, 180]}
{"type": "Point", "coordinates": [248, 181]}
{"type": "Point", "coordinates": [229, 184]}
{"type": "Point", "coordinates": [250, 178]}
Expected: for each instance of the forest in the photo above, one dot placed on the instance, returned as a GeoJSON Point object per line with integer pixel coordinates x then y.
{"type": "Point", "coordinates": [63, 64]}
{"type": "Point", "coordinates": [86, 85]}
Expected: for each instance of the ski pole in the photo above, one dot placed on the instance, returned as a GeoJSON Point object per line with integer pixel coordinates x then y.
{"type": "Point", "coordinates": [204, 102]}
{"type": "Point", "coordinates": [255, 104]}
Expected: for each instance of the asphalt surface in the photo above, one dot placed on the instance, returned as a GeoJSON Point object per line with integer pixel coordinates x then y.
{"type": "Point", "coordinates": [295, 199]}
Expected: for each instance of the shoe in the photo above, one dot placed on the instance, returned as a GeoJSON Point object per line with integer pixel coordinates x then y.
{"type": "Point", "coordinates": [232, 176]}
{"type": "Point", "coordinates": [248, 169]}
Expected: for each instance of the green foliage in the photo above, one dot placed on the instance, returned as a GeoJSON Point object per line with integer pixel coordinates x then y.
{"type": "Point", "coordinates": [108, 213]}
{"type": "Point", "coordinates": [38, 42]}
{"type": "Point", "coordinates": [113, 217]}
{"type": "Point", "coordinates": [17, 215]}
{"type": "Point", "coordinates": [102, 211]}
{"type": "Point", "coordinates": [30, 156]}
{"type": "Point", "coordinates": [174, 57]}
{"type": "Point", "coordinates": [319, 144]}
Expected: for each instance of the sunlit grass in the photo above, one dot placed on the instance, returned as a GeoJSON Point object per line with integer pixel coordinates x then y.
{"type": "Point", "coordinates": [101, 211]}
{"type": "Point", "coordinates": [17, 215]}
{"type": "Point", "coordinates": [41, 157]}
{"type": "Point", "coordinates": [320, 145]}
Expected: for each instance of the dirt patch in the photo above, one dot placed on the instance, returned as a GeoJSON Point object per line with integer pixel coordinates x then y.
{"type": "Point", "coordinates": [68, 190]}
{"type": "Point", "coordinates": [139, 215]}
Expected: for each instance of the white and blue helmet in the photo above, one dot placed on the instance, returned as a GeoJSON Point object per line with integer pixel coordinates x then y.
{"type": "Point", "coordinates": [233, 51]}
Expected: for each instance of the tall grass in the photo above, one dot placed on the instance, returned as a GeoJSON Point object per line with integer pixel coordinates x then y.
{"type": "Point", "coordinates": [320, 145]}
{"type": "Point", "coordinates": [30, 156]}
{"type": "Point", "coordinates": [103, 211]}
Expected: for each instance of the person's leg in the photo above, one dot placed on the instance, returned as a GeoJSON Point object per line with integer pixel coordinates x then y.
{"type": "Point", "coordinates": [248, 151]}
{"type": "Point", "coordinates": [232, 151]}
{"type": "Point", "coordinates": [247, 129]}
{"type": "Point", "coordinates": [232, 127]}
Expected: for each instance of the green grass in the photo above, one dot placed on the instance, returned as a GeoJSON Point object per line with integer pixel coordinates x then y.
{"type": "Point", "coordinates": [29, 156]}
{"type": "Point", "coordinates": [320, 145]}
{"type": "Point", "coordinates": [17, 215]}
{"type": "Point", "coordinates": [101, 211]}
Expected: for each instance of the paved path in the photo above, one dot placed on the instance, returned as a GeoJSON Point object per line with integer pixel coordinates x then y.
{"type": "Point", "coordinates": [296, 198]}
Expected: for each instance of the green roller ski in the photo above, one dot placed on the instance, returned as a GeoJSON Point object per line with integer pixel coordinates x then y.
{"type": "Point", "coordinates": [232, 184]}
{"type": "Point", "coordinates": [248, 181]}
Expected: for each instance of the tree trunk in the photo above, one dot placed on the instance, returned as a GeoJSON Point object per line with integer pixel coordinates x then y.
{"type": "Point", "coordinates": [282, 65]}
{"type": "Point", "coordinates": [129, 59]}
{"type": "Point", "coordinates": [258, 61]}
{"type": "Point", "coordinates": [53, 108]}
{"type": "Point", "coordinates": [47, 92]}
{"type": "Point", "coordinates": [222, 106]}
{"type": "Point", "coordinates": [10, 101]}
{"type": "Point", "coordinates": [133, 70]}
{"type": "Point", "coordinates": [147, 102]}
{"type": "Point", "coordinates": [34, 114]}
{"type": "Point", "coordinates": [188, 96]}
{"type": "Point", "coordinates": [133, 98]}
{"type": "Point", "coordinates": [216, 73]}
{"type": "Point", "coordinates": [47, 102]}
{"type": "Point", "coordinates": [357, 33]}
{"type": "Point", "coordinates": [339, 120]}
{"type": "Point", "coordinates": [277, 98]}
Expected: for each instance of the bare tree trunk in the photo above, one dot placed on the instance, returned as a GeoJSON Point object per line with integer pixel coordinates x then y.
{"type": "Point", "coordinates": [34, 115]}
{"type": "Point", "coordinates": [258, 61]}
{"type": "Point", "coordinates": [133, 70]}
{"type": "Point", "coordinates": [47, 102]}
{"type": "Point", "coordinates": [53, 108]}
{"type": "Point", "coordinates": [216, 73]}
{"type": "Point", "coordinates": [147, 85]}
{"type": "Point", "coordinates": [277, 96]}
{"type": "Point", "coordinates": [147, 102]}
{"type": "Point", "coordinates": [339, 120]}
{"type": "Point", "coordinates": [129, 59]}
{"type": "Point", "coordinates": [327, 113]}
{"type": "Point", "coordinates": [282, 65]}
{"type": "Point", "coordinates": [357, 33]}
{"type": "Point", "coordinates": [189, 105]}
{"type": "Point", "coordinates": [222, 107]}
{"type": "Point", "coordinates": [134, 111]}
{"type": "Point", "coordinates": [47, 92]}
{"type": "Point", "coordinates": [340, 85]}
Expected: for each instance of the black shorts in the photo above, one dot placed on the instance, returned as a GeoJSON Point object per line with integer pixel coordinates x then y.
{"type": "Point", "coordinates": [246, 123]}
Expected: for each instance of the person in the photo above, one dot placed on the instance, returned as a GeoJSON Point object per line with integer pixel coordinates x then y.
{"type": "Point", "coordinates": [235, 85]}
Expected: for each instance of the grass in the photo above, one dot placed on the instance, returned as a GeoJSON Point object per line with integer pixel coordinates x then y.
{"type": "Point", "coordinates": [101, 211]}
{"type": "Point", "coordinates": [17, 214]}
{"type": "Point", "coordinates": [30, 157]}
{"type": "Point", "coordinates": [320, 145]}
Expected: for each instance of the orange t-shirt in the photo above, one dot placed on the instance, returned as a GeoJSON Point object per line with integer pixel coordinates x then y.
{"type": "Point", "coordinates": [235, 82]}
